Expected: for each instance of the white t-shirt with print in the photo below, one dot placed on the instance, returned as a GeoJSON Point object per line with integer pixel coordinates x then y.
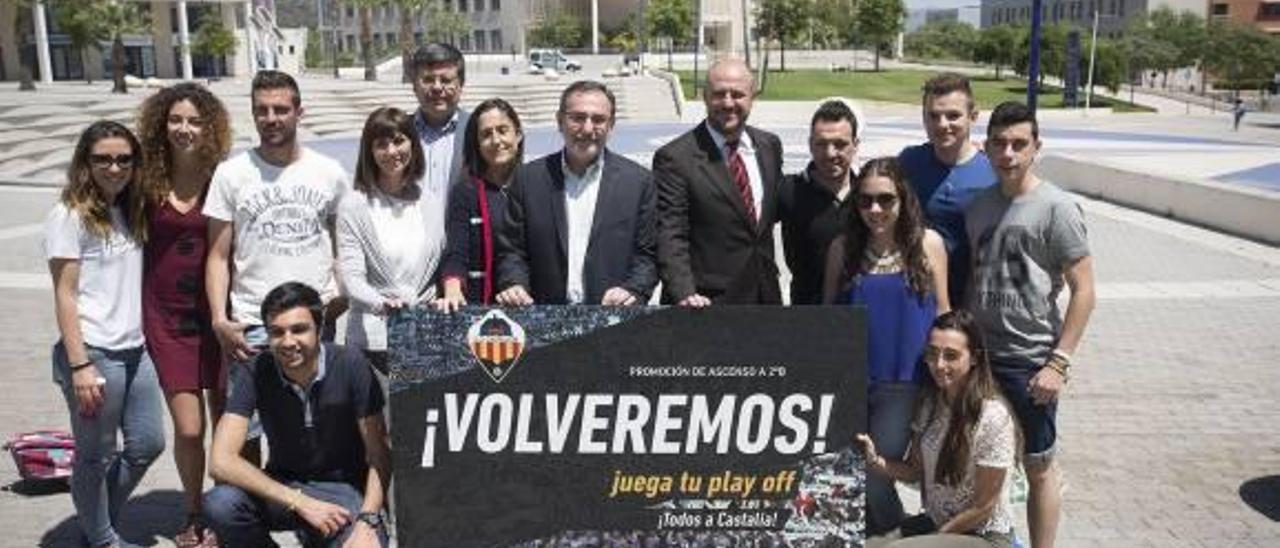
{"type": "Point", "coordinates": [109, 294]}
{"type": "Point", "coordinates": [281, 218]}
{"type": "Point", "coordinates": [993, 445]}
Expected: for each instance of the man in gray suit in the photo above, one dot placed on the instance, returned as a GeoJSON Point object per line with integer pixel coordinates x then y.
{"type": "Point", "coordinates": [439, 72]}
{"type": "Point", "coordinates": [579, 222]}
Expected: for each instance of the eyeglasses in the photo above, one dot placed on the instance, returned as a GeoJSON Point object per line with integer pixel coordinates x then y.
{"type": "Point", "coordinates": [580, 118]}
{"type": "Point", "coordinates": [886, 200]}
{"type": "Point", "coordinates": [105, 161]}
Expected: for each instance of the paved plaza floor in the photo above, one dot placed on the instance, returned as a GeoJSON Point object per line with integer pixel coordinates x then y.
{"type": "Point", "coordinates": [1170, 430]}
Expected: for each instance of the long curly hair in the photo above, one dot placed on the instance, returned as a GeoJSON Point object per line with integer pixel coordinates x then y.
{"type": "Point", "coordinates": [966, 409]}
{"type": "Point", "coordinates": [908, 232]}
{"type": "Point", "coordinates": [82, 195]}
{"type": "Point", "coordinates": [153, 131]}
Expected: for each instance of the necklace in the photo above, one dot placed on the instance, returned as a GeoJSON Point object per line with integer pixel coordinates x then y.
{"type": "Point", "coordinates": [887, 263]}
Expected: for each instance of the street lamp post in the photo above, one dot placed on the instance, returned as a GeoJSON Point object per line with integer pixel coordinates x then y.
{"type": "Point", "coordinates": [1093, 49]}
{"type": "Point", "coordinates": [1033, 72]}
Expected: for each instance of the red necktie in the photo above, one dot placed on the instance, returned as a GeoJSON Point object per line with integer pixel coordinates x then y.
{"type": "Point", "coordinates": [738, 171]}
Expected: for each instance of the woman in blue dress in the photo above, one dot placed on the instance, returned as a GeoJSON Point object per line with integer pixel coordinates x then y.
{"type": "Point", "coordinates": [887, 260]}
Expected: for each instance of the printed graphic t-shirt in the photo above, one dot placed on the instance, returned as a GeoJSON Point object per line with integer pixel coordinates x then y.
{"type": "Point", "coordinates": [281, 218]}
{"type": "Point", "coordinates": [1021, 249]}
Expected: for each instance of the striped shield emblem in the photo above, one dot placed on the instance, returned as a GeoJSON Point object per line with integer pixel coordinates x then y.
{"type": "Point", "coordinates": [497, 342]}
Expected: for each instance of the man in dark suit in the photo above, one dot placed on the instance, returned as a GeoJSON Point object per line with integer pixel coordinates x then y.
{"type": "Point", "coordinates": [439, 71]}
{"type": "Point", "coordinates": [717, 194]}
{"type": "Point", "coordinates": [579, 226]}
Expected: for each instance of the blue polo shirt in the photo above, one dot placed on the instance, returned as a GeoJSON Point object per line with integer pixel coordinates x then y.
{"type": "Point", "coordinates": [945, 192]}
{"type": "Point", "coordinates": [311, 430]}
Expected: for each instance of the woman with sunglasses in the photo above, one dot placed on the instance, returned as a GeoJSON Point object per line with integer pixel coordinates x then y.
{"type": "Point", "coordinates": [390, 232]}
{"type": "Point", "coordinates": [185, 131]}
{"type": "Point", "coordinates": [964, 444]}
{"type": "Point", "coordinates": [494, 147]}
{"type": "Point", "coordinates": [886, 260]}
{"type": "Point", "coordinates": [93, 241]}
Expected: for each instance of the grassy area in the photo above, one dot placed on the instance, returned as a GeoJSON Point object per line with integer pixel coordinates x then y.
{"type": "Point", "coordinates": [900, 86]}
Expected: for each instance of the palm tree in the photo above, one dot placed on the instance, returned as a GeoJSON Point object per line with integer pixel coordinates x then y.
{"type": "Point", "coordinates": [365, 7]}
{"type": "Point", "coordinates": [118, 19]}
{"type": "Point", "coordinates": [409, 12]}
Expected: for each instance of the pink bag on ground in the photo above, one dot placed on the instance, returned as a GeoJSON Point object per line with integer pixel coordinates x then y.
{"type": "Point", "coordinates": [43, 454]}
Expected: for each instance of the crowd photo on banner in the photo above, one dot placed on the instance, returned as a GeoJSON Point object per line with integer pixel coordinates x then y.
{"type": "Point", "coordinates": [207, 282]}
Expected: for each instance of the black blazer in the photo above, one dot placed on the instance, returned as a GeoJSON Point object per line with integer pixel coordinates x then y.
{"type": "Point", "coordinates": [533, 241]}
{"type": "Point", "coordinates": [707, 243]}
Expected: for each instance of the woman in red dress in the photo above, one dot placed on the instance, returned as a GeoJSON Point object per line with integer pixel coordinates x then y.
{"type": "Point", "coordinates": [185, 131]}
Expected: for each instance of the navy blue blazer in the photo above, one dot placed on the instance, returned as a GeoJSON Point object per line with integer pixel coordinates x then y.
{"type": "Point", "coordinates": [621, 251]}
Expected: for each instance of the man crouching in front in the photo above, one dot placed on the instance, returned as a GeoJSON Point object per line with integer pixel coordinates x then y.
{"type": "Point", "coordinates": [321, 410]}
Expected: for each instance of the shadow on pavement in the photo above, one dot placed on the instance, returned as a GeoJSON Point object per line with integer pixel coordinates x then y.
{"type": "Point", "coordinates": [146, 518]}
{"type": "Point", "coordinates": [1263, 495]}
{"type": "Point", "coordinates": [38, 488]}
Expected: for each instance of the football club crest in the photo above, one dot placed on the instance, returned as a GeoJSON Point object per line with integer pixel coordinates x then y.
{"type": "Point", "coordinates": [497, 342]}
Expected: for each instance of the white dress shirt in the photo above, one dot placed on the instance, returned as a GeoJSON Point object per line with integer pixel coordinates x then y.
{"type": "Point", "coordinates": [580, 211]}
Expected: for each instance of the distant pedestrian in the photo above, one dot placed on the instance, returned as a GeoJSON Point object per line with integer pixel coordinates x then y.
{"type": "Point", "coordinates": [93, 241]}
{"type": "Point", "coordinates": [1237, 113]}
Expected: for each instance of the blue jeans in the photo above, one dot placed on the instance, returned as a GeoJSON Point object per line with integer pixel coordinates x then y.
{"type": "Point", "coordinates": [245, 520]}
{"type": "Point", "coordinates": [102, 477]}
{"type": "Point", "coordinates": [891, 406]}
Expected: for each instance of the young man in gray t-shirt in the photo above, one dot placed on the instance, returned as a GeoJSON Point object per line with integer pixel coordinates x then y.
{"type": "Point", "coordinates": [1028, 239]}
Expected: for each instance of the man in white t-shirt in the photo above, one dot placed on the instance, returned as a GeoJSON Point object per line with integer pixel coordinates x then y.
{"type": "Point", "coordinates": [273, 206]}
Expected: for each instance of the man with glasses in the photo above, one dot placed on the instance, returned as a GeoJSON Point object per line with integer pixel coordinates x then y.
{"type": "Point", "coordinates": [717, 201]}
{"type": "Point", "coordinates": [439, 72]}
{"type": "Point", "coordinates": [579, 223]}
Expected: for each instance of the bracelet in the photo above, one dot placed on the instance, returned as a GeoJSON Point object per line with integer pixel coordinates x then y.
{"type": "Point", "coordinates": [293, 501]}
{"type": "Point", "coordinates": [80, 366]}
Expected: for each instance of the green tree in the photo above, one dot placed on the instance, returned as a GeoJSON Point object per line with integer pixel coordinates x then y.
{"type": "Point", "coordinates": [1240, 56]}
{"type": "Point", "coordinates": [781, 21]}
{"type": "Point", "coordinates": [670, 19]}
{"type": "Point", "coordinates": [444, 25]}
{"type": "Point", "coordinates": [409, 12]}
{"type": "Point", "coordinates": [1183, 33]}
{"type": "Point", "coordinates": [118, 19]}
{"type": "Point", "coordinates": [879, 21]}
{"type": "Point", "coordinates": [1141, 50]}
{"type": "Point", "coordinates": [997, 46]}
{"type": "Point", "coordinates": [214, 40]}
{"type": "Point", "coordinates": [81, 27]}
{"type": "Point", "coordinates": [558, 30]}
{"type": "Point", "coordinates": [943, 40]}
{"type": "Point", "coordinates": [365, 9]}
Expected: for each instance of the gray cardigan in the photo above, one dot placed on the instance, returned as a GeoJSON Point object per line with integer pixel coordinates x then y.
{"type": "Point", "coordinates": [367, 274]}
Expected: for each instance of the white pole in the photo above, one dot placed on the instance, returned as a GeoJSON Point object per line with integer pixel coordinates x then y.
{"type": "Point", "coordinates": [1093, 48]}
{"type": "Point", "coordinates": [42, 42]}
{"type": "Point", "coordinates": [595, 27]}
{"type": "Point", "coordinates": [248, 34]}
{"type": "Point", "coordinates": [184, 40]}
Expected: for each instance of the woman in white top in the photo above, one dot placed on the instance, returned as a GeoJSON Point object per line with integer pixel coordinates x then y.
{"type": "Point", "coordinates": [93, 241]}
{"type": "Point", "coordinates": [390, 232]}
{"type": "Point", "coordinates": [963, 447]}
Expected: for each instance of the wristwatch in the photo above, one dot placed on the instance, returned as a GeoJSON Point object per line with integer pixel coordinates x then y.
{"type": "Point", "coordinates": [372, 519]}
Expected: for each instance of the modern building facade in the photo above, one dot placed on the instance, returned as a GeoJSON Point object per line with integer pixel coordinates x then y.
{"type": "Point", "coordinates": [1113, 15]}
{"type": "Point", "coordinates": [158, 51]}
{"type": "Point", "coordinates": [1263, 14]}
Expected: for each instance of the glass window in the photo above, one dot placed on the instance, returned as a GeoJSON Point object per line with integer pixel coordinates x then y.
{"type": "Point", "coordinates": [495, 5]}
{"type": "Point", "coordinates": [1221, 9]}
{"type": "Point", "coordinates": [480, 40]}
{"type": "Point", "coordinates": [495, 39]}
{"type": "Point", "coordinates": [462, 5]}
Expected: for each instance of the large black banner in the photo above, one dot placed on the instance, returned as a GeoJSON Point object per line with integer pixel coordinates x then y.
{"type": "Point", "coordinates": [591, 426]}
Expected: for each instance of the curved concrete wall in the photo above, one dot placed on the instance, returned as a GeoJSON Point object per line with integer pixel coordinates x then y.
{"type": "Point", "coordinates": [1238, 210]}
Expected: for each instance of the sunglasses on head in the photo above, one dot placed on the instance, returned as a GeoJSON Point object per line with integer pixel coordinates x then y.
{"type": "Point", "coordinates": [885, 200]}
{"type": "Point", "coordinates": [105, 161]}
